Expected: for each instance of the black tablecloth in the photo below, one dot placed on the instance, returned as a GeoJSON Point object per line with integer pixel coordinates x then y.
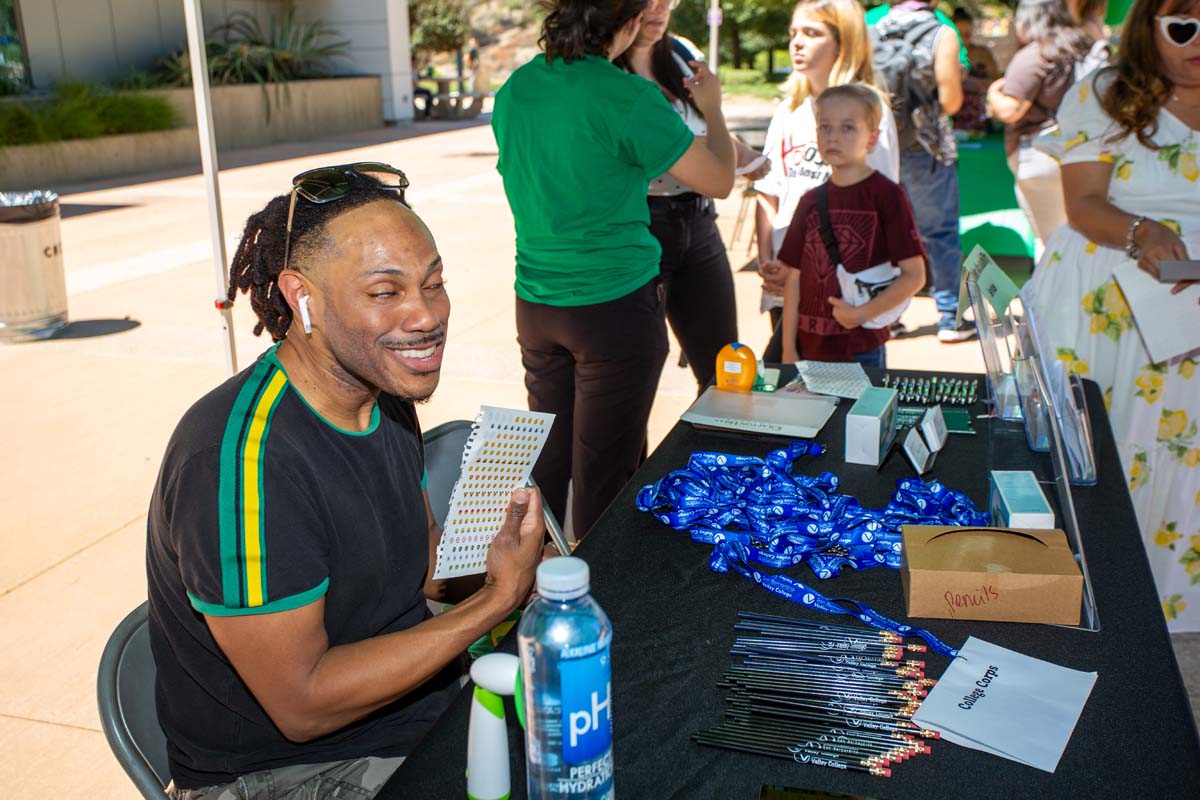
{"type": "Point", "coordinates": [673, 626]}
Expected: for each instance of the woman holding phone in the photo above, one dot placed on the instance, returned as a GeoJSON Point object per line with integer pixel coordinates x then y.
{"type": "Point", "coordinates": [701, 308]}
{"type": "Point", "coordinates": [579, 141]}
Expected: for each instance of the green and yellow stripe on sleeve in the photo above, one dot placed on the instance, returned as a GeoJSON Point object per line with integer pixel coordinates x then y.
{"type": "Point", "coordinates": [242, 501]}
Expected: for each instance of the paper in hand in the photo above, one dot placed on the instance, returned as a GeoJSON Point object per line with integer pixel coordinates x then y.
{"type": "Point", "coordinates": [1007, 704]}
{"type": "Point", "coordinates": [1165, 321]}
{"type": "Point", "coordinates": [498, 458]}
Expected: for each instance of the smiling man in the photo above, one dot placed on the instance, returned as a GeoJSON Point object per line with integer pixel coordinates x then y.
{"type": "Point", "coordinates": [290, 542]}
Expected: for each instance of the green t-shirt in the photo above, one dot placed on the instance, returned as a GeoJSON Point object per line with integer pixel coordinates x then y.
{"type": "Point", "coordinates": [879, 12]}
{"type": "Point", "coordinates": [579, 143]}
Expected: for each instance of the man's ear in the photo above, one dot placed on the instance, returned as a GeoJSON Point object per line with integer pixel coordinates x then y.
{"type": "Point", "coordinates": [292, 285]}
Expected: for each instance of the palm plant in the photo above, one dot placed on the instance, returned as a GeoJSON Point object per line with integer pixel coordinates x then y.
{"type": "Point", "coordinates": [247, 52]}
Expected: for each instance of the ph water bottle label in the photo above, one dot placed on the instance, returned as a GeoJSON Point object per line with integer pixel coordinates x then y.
{"type": "Point", "coordinates": [587, 709]}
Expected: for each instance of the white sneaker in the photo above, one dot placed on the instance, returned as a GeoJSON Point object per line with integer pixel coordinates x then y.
{"type": "Point", "coordinates": [956, 334]}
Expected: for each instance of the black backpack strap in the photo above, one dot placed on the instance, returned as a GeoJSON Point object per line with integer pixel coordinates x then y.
{"type": "Point", "coordinates": [826, 227]}
{"type": "Point", "coordinates": [917, 32]}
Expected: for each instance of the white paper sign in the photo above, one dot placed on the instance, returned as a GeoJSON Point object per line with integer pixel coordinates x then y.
{"type": "Point", "coordinates": [918, 454]}
{"type": "Point", "coordinates": [933, 428]}
{"type": "Point", "coordinates": [1007, 704]}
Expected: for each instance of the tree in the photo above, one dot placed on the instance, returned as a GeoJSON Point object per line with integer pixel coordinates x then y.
{"type": "Point", "coordinates": [749, 26]}
{"type": "Point", "coordinates": [437, 25]}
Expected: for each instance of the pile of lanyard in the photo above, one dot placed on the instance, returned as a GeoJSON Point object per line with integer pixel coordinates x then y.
{"type": "Point", "coordinates": [757, 512]}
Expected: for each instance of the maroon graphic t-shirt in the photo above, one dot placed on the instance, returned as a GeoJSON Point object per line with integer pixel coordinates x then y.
{"type": "Point", "coordinates": [873, 222]}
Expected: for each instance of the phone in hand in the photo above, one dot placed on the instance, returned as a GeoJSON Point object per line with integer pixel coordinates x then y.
{"type": "Point", "coordinates": [1174, 271]}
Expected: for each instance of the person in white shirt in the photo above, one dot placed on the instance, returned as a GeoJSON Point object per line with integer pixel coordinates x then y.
{"type": "Point", "coordinates": [829, 47]}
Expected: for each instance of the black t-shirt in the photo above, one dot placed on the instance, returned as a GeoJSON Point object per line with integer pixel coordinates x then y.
{"type": "Point", "coordinates": [261, 505]}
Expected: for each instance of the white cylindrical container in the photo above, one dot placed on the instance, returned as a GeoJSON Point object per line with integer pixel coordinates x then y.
{"type": "Point", "coordinates": [33, 287]}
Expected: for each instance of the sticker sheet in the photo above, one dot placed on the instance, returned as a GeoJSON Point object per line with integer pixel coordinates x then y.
{"type": "Point", "coordinates": [498, 458]}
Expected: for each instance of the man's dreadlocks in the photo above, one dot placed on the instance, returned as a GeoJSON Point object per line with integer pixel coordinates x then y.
{"type": "Point", "coordinates": [259, 257]}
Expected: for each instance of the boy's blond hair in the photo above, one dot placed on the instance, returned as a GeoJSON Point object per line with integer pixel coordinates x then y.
{"type": "Point", "coordinates": [866, 96]}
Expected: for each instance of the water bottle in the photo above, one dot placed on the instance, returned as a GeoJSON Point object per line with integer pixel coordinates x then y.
{"type": "Point", "coordinates": [564, 642]}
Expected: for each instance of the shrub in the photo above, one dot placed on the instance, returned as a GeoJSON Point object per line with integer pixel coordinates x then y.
{"type": "Point", "coordinates": [83, 111]}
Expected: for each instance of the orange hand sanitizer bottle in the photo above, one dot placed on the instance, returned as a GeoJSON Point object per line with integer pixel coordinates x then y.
{"type": "Point", "coordinates": [736, 368]}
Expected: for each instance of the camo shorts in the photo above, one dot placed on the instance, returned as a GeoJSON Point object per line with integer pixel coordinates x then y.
{"type": "Point", "coordinates": [358, 779]}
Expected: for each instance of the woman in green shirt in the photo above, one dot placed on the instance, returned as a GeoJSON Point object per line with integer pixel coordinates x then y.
{"type": "Point", "coordinates": [579, 141]}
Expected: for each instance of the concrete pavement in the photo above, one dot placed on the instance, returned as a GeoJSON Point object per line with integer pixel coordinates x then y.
{"type": "Point", "coordinates": [87, 419]}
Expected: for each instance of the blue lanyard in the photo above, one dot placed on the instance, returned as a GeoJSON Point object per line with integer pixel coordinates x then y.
{"type": "Point", "coordinates": [754, 511]}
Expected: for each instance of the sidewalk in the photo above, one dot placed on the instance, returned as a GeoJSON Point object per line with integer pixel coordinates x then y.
{"type": "Point", "coordinates": [87, 419]}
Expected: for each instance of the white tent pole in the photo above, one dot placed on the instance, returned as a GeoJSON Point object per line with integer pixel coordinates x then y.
{"type": "Point", "coordinates": [208, 158]}
{"type": "Point", "coordinates": [714, 23]}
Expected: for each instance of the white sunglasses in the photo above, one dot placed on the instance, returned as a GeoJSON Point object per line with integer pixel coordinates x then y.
{"type": "Point", "coordinates": [1179, 31]}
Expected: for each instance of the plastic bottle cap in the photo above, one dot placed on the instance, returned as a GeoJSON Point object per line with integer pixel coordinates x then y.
{"type": "Point", "coordinates": [563, 578]}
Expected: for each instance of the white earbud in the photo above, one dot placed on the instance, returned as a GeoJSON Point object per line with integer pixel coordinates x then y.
{"type": "Point", "coordinates": [304, 317]}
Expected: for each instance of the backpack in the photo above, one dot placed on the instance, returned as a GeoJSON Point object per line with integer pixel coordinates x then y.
{"type": "Point", "coordinates": [902, 48]}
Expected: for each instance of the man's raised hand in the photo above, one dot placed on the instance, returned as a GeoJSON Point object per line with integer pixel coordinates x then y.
{"type": "Point", "coordinates": [517, 549]}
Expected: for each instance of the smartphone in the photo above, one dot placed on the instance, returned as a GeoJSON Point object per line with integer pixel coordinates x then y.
{"type": "Point", "coordinates": [1172, 271]}
{"type": "Point", "coordinates": [766, 792]}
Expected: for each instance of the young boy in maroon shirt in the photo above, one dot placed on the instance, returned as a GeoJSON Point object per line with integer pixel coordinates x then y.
{"type": "Point", "coordinates": [873, 223]}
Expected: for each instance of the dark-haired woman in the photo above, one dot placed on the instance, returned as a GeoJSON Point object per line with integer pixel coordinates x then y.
{"type": "Point", "coordinates": [1026, 100]}
{"type": "Point", "coordinates": [700, 301]}
{"type": "Point", "coordinates": [579, 142]}
{"type": "Point", "coordinates": [1129, 141]}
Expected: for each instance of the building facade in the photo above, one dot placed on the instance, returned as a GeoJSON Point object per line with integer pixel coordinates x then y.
{"type": "Point", "coordinates": [107, 40]}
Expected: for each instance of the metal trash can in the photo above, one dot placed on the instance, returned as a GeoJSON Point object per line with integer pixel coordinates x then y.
{"type": "Point", "coordinates": [33, 287]}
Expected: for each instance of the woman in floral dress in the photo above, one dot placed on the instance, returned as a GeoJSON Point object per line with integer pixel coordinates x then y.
{"type": "Point", "coordinates": [1129, 142]}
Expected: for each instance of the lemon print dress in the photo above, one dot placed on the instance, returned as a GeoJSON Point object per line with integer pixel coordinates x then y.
{"type": "Point", "coordinates": [1154, 407]}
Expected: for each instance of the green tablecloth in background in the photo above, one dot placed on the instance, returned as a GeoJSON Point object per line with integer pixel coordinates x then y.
{"type": "Point", "coordinates": [988, 213]}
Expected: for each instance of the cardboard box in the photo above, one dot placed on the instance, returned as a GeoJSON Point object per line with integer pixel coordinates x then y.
{"type": "Point", "coordinates": [1017, 501]}
{"type": "Point", "coordinates": [995, 574]}
{"type": "Point", "coordinates": [870, 426]}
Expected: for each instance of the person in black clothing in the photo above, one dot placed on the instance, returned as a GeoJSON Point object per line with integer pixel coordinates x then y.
{"type": "Point", "coordinates": [698, 281]}
{"type": "Point", "coordinates": [289, 537]}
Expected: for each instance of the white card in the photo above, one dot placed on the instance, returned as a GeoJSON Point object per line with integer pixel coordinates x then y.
{"type": "Point", "coordinates": [918, 454]}
{"type": "Point", "coordinates": [498, 457]}
{"type": "Point", "coordinates": [1007, 704]}
{"type": "Point", "coordinates": [1165, 321]}
{"type": "Point", "coordinates": [933, 428]}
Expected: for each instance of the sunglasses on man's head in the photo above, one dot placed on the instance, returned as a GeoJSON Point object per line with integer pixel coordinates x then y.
{"type": "Point", "coordinates": [326, 184]}
{"type": "Point", "coordinates": [1179, 31]}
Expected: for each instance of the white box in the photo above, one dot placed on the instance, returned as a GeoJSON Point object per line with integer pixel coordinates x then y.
{"type": "Point", "coordinates": [870, 426]}
{"type": "Point", "coordinates": [1017, 501]}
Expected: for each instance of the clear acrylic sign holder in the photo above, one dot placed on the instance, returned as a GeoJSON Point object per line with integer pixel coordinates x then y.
{"type": "Point", "coordinates": [1060, 399]}
{"type": "Point", "coordinates": [998, 337]}
{"type": "Point", "coordinates": [1089, 618]}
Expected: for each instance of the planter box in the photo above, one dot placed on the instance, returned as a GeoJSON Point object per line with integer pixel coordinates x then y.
{"type": "Point", "coordinates": [50, 165]}
{"type": "Point", "coordinates": [300, 111]}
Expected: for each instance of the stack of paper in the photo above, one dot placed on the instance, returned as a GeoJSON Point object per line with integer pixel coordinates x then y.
{"type": "Point", "coordinates": [834, 378]}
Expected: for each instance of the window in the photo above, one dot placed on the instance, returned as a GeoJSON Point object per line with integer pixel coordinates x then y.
{"type": "Point", "coordinates": [14, 73]}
